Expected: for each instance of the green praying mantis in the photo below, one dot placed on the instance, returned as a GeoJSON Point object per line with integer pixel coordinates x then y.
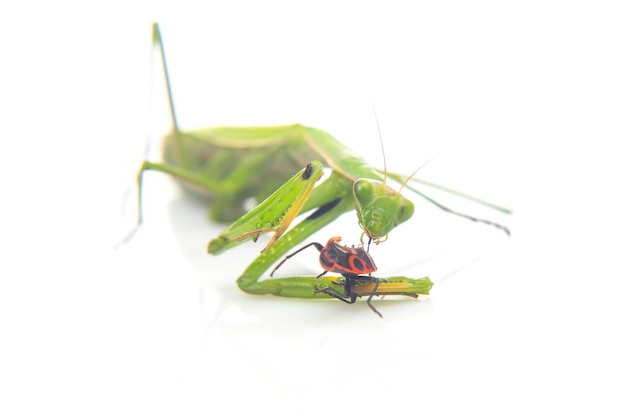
{"type": "Point", "coordinates": [232, 164]}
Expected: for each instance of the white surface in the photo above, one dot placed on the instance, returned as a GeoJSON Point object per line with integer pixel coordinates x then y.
{"type": "Point", "coordinates": [524, 106]}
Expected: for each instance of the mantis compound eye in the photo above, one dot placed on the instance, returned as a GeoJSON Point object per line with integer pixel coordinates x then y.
{"type": "Point", "coordinates": [363, 191]}
{"type": "Point", "coordinates": [405, 211]}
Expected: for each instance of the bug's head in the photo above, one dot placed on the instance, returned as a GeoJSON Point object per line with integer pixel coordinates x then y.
{"type": "Point", "coordinates": [380, 208]}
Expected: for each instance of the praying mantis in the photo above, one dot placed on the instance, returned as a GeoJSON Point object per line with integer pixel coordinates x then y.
{"type": "Point", "coordinates": [232, 164]}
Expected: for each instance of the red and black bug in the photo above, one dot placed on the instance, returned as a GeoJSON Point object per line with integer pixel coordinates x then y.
{"type": "Point", "coordinates": [334, 257]}
{"type": "Point", "coordinates": [351, 262]}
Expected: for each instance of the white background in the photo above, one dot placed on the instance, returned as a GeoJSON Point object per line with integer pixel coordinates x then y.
{"type": "Point", "coordinates": [523, 105]}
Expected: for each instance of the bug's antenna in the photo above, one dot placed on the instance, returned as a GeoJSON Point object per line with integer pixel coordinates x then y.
{"type": "Point", "coordinates": [405, 182]}
{"type": "Point", "coordinates": [382, 147]}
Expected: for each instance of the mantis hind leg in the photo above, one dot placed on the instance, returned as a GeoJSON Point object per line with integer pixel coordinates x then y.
{"type": "Point", "coordinates": [228, 193]}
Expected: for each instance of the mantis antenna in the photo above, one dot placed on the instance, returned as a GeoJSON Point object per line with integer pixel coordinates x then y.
{"type": "Point", "coordinates": [382, 146]}
{"type": "Point", "coordinates": [415, 172]}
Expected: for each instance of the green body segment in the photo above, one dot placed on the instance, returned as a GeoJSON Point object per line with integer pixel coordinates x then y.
{"type": "Point", "coordinates": [233, 164]}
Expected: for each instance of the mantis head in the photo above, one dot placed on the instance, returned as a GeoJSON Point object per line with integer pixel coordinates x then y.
{"type": "Point", "coordinates": [380, 208]}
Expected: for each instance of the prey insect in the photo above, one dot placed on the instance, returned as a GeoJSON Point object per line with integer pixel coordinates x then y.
{"type": "Point", "coordinates": [338, 258]}
{"type": "Point", "coordinates": [230, 165]}
{"type": "Point", "coordinates": [353, 263]}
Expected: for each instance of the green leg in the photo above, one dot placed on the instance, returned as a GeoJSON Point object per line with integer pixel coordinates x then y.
{"type": "Point", "coordinates": [228, 192]}
{"type": "Point", "coordinates": [300, 287]}
{"type": "Point", "coordinates": [194, 180]}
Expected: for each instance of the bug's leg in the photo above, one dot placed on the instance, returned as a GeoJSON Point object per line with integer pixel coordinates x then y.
{"type": "Point", "coordinates": [347, 297]}
{"type": "Point", "coordinates": [371, 280]}
{"type": "Point", "coordinates": [335, 294]}
{"type": "Point", "coordinates": [317, 245]}
{"type": "Point", "coordinates": [369, 299]}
